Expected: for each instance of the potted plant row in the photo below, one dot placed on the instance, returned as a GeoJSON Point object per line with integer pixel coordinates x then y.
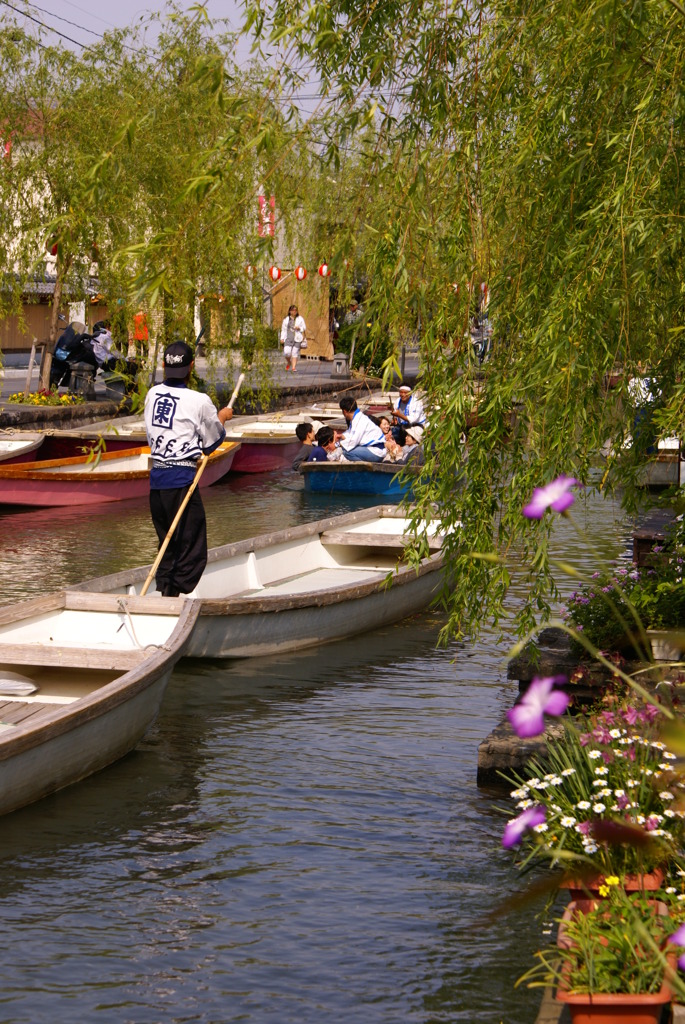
{"type": "Point", "coordinates": [612, 962]}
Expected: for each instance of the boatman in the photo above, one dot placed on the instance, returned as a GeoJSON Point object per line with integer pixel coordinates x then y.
{"type": "Point", "coordinates": [363, 441]}
{"type": "Point", "coordinates": [181, 426]}
{"type": "Point", "coordinates": [410, 410]}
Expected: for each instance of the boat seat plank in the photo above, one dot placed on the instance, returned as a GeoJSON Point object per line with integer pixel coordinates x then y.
{"type": "Point", "coordinates": [71, 657]}
{"type": "Point", "coordinates": [16, 712]}
{"type": "Point", "coordinates": [375, 540]}
{"type": "Point", "coordinates": [84, 600]}
{"type": "Point", "coordinates": [317, 579]}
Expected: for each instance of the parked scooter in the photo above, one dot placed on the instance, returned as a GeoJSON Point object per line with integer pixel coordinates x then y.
{"type": "Point", "coordinates": [69, 345]}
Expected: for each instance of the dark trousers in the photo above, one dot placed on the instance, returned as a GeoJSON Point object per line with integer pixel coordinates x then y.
{"type": "Point", "coordinates": [185, 558]}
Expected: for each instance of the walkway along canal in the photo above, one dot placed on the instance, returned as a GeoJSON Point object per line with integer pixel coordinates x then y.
{"type": "Point", "coordinates": [299, 838]}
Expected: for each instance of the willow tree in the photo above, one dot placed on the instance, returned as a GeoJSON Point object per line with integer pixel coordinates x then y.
{"type": "Point", "coordinates": [537, 148]}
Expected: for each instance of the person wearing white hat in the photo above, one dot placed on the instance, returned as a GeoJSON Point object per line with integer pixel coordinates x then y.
{"type": "Point", "coordinates": [410, 410]}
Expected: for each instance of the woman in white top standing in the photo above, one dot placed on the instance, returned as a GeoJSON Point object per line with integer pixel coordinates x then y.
{"type": "Point", "coordinates": [293, 330]}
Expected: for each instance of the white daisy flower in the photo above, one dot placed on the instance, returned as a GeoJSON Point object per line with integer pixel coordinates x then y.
{"type": "Point", "coordinates": [604, 792]}
{"type": "Point", "coordinates": [615, 733]}
{"type": "Point", "coordinates": [668, 756]}
{"type": "Point", "coordinates": [599, 808]}
{"type": "Point", "coordinates": [601, 769]}
{"type": "Point", "coordinates": [619, 792]}
{"type": "Point", "coordinates": [583, 805]}
{"type": "Point", "coordinates": [569, 771]}
{"type": "Point", "coordinates": [542, 827]}
{"type": "Point", "coordinates": [594, 754]}
{"type": "Point", "coordinates": [669, 813]}
{"type": "Point", "coordinates": [567, 822]}
{"type": "Point", "coordinates": [681, 896]}
{"type": "Point", "coordinates": [666, 795]}
{"type": "Point", "coordinates": [525, 804]}
{"type": "Point", "coordinates": [520, 794]}
{"type": "Point", "coordinates": [590, 847]}
{"type": "Point", "coordinates": [671, 889]}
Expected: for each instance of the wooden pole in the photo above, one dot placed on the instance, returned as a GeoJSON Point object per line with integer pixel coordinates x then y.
{"type": "Point", "coordinates": [177, 518]}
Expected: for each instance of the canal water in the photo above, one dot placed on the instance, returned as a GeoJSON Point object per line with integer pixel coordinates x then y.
{"type": "Point", "coordinates": [299, 839]}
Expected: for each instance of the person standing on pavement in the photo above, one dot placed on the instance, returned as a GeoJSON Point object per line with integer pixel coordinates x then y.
{"type": "Point", "coordinates": [293, 332]}
{"type": "Point", "coordinates": [182, 425]}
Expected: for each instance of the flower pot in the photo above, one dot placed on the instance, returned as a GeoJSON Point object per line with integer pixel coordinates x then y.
{"type": "Point", "coordinates": [580, 889]}
{"type": "Point", "coordinates": [616, 1008]}
{"type": "Point", "coordinates": [662, 648]}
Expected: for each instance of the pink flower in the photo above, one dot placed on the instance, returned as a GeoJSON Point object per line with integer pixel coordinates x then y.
{"type": "Point", "coordinates": [583, 827]}
{"type": "Point", "coordinates": [529, 818]}
{"type": "Point", "coordinates": [528, 716]}
{"type": "Point", "coordinates": [556, 495]}
{"type": "Point", "coordinates": [678, 938]}
{"type": "Point", "coordinates": [651, 823]}
{"type": "Point", "coordinates": [630, 715]}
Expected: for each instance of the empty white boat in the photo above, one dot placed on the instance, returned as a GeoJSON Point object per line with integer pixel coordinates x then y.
{"type": "Point", "coordinates": [304, 586]}
{"type": "Point", "coordinates": [81, 680]}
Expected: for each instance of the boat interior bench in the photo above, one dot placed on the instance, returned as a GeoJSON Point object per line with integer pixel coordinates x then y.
{"type": "Point", "coordinates": [20, 711]}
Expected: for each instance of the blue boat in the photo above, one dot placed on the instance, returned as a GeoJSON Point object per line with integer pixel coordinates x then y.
{"type": "Point", "coordinates": [381, 478]}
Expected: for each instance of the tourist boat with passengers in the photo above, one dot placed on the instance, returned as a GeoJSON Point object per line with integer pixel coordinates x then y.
{"type": "Point", "coordinates": [388, 480]}
{"type": "Point", "coordinates": [94, 478]}
{"type": "Point", "coordinates": [82, 677]}
{"type": "Point", "coordinates": [305, 586]}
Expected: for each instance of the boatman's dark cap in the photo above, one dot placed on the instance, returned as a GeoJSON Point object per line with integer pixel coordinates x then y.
{"type": "Point", "coordinates": [177, 359]}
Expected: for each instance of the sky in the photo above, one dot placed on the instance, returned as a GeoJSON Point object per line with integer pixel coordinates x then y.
{"type": "Point", "coordinates": [78, 22]}
{"type": "Point", "coordinates": [82, 20]}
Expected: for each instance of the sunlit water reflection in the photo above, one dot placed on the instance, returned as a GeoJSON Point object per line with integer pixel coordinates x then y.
{"type": "Point", "coordinates": [298, 839]}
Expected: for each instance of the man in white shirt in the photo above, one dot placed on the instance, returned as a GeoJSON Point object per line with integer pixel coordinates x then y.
{"type": "Point", "coordinates": [181, 426]}
{"type": "Point", "coordinates": [363, 441]}
{"type": "Point", "coordinates": [410, 410]}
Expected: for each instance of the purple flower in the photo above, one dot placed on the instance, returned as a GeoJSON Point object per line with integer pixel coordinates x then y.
{"type": "Point", "coordinates": [681, 962]}
{"type": "Point", "coordinates": [583, 827]}
{"type": "Point", "coordinates": [678, 938]}
{"type": "Point", "coordinates": [556, 495]}
{"type": "Point", "coordinates": [528, 716]}
{"type": "Point", "coordinates": [529, 818]}
{"type": "Point", "coordinates": [630, 715]}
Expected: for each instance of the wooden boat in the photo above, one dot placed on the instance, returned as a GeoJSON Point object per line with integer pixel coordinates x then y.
{"type": "Point", "coordinates": [386, 479]}
{"type": "Point", "coordinates": [304, 586]}
{"type": "Point", "coordinates": [262, 444]}
{"type": "Point", "coordinates": [81, 680]}
{"type": "Point", "coordinates": [664, 468]}
{"type": "Point", "coordinates": [19, 447]}
{"type": "Point", "coordinates": [84, 480]}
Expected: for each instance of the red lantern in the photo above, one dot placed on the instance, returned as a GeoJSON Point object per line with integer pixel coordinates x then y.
{"type": "Point", "coordinates": [325, 270]}
{"type": "Point", "coordinates": [274, 273]}
{"type": "Point", "coordinates": [250, 270]}
{"type": "Point", "coordinates": [300, 273]}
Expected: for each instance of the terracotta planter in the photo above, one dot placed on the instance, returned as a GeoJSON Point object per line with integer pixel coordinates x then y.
{"type": "Point", "coordinates": [581, 890]}
{"type": "Point", "coordinates": [617, 1008]}
{"type": "Point", "coordinates": [612, 1008]}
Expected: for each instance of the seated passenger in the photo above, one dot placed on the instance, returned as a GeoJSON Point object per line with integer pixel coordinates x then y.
{"type": "Point", "coordinates": [413, 448]}
{"type": "Point", "coordinates": [363, 441]}
{"type": "Point", "coordinates": [304, 433]}
{"type": "Point", "coordinates": [325, 446]}
{"type": "Point", "coordinates": [394, 445]}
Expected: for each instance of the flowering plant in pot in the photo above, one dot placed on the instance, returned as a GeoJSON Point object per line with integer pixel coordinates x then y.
{"type": "Point", "coordinates": [608, 799]}
{"type": "Point", "coordinates": [613, 963]}
{"type": "Point", "coordinates": [617, 610]}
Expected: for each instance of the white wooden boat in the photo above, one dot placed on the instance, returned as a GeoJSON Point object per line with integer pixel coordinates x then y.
{"type": "Point", "coordinates": [81, 680]}
{"type": "Point", "coordinates": [304, 586]}
{"type": "Point", "coordinates": [19, 446]}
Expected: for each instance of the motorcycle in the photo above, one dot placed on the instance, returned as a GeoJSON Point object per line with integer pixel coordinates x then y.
{"type": "Point", "coordinates": [67, 350]}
